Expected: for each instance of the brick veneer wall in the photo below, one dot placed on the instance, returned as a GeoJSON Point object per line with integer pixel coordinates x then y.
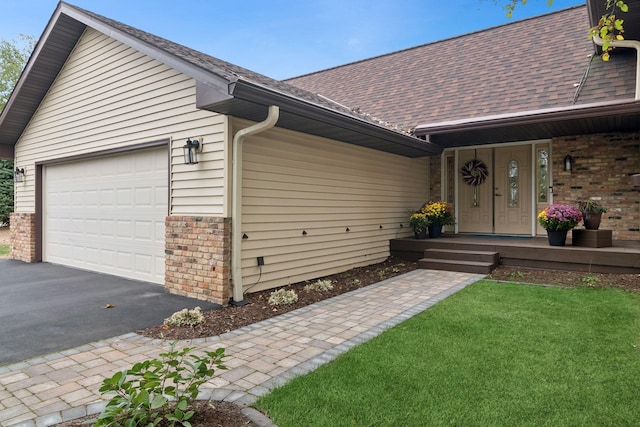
{"type": "Point", "coordinates": [603, 165]}
{"type": "Point", "coordinates": [198, 257]}
{"type": "Point", "coordinates": [23, 236]}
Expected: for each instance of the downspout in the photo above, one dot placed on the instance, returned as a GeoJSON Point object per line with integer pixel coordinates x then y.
{"type": "Point", "coordinates": [236, 191]}
{"type": "Point", "coordinates": [634, 44]}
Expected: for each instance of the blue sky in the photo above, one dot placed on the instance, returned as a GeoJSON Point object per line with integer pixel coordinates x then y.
{"type": "Point", "coordinates": [286, 38]}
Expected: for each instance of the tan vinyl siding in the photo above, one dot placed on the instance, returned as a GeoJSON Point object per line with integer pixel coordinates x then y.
{"type": "Point", "coordinates": [294, 183]}
{"type": "Point", "coordinates": [110, 96]}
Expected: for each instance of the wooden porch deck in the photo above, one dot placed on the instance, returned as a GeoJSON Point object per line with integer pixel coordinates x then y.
{"type": "Point", "coordinates": [529, 252]}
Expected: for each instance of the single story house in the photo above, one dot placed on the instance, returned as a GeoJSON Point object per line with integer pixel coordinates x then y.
{"type": "Point", "coordinates": [143, 158]}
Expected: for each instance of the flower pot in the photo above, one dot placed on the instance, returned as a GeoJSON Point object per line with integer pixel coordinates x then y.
{"type": "Point", "coordinates": [421, 234]}
{"type": "Point", "coordinates": [592, 220]}
{"type": "Point", "coordinates": [557, 238]}
{"type": "Point", "coordinates": [435, 231]}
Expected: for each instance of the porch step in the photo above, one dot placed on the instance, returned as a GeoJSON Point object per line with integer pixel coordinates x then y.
{"type": "Point", "coordinates": [466, 261]}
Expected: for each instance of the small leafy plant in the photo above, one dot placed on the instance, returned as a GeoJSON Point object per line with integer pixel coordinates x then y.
{"type": "Point", "coordinates": [158, 390]}
{"type": "Point", "coordinates": [320, 286]}
{"type": "Point", "coordinates": [283, 297]}
{"type": "Point", "coordinates": [185, 317]}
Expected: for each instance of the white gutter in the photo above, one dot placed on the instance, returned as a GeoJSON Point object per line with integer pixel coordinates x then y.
{"type": "Point", "coordinates": [236, 191]}
{"type": "Point", "coordinates": [634, 44]}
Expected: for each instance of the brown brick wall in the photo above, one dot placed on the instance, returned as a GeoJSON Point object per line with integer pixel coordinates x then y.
{"type": "Point", "coordinates": [603, 164]}
{"type": "Point", "coordinates": [23, 236]}
{"type": "Point", "coordinates": [198, 257]}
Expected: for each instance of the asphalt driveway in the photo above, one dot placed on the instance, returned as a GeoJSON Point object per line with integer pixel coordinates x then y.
{"type": "Point", "coordinates": [47, 308]}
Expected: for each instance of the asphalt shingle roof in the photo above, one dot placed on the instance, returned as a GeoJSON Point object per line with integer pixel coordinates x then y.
{"type": "Point", "coordinates": [527, 65]}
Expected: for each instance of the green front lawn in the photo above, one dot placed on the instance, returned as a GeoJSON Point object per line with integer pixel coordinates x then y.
{"type": "Point", "coordinates": [493, 354]}
{"type": "Point", "coordinates": [4, 250]}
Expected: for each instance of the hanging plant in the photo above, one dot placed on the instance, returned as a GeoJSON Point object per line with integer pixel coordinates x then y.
{"type": "Point", "coordinates": [474, 172]}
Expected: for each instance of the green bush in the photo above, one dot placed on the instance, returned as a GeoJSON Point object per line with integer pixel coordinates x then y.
{"type": "Point", "coordinates": [155, 391]}
{"type": "Point", "coordinates": [6, 190]}
{"type": "Point", "coordinates": [283, 297]}
{"type": "Point", "coordinates": [185, 317]}
{"type": "Point", "coordinates": [319, 285]}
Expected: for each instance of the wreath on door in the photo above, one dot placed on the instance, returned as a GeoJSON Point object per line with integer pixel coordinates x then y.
{"type": "Point", "coordinates": [474, 172]}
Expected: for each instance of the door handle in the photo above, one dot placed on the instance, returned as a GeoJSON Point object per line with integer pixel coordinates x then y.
{"type": "Point", "coordinates": [498, 195]}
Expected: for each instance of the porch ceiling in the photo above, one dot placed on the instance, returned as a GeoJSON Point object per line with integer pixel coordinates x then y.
{"type": "Point", "coordinates": [602, 117]}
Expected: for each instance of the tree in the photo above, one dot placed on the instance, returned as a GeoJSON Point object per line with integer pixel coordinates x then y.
{"type": "Point", "coordinates": [610, 28]}
{"type": "Point", "coordinates": [13, 57]}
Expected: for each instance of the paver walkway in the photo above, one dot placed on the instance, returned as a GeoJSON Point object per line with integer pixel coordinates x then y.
{"type": "Point", "coordinates": [47, 390]}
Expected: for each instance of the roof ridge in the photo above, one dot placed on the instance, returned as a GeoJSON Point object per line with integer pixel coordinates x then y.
{"type": "Point", "coordinates": [459, 36]}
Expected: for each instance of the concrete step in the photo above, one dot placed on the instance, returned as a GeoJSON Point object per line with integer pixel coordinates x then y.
{"type": "Point", "coordinates": [462, 255]}
{"type": "Point", "coordinates": [456, 265]}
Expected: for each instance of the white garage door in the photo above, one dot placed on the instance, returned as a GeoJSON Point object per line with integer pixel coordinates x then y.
{"type": "Point", "coordinates": [107, 214]}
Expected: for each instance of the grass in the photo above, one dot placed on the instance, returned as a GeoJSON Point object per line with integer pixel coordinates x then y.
{"type": "Point", "coordinates": [4, 250]}
{"type": "Point", "coordinates": [493, 354]}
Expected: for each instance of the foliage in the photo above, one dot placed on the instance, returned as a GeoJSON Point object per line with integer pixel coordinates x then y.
{"type": "Point", "coordinates": [590, 206]}
{"type": "Point", "coordinates": [6, 190]}
{"type": "Point", "coordinates": [158, 390]}
{"type": "Point", "coordinates": [283, 297]}
{"type": "Point", "coordinates": [185, 317]}
{"type": "Point", "coordinates": [419, 221]}
{"type": "Point", "coordinates": [609, 28]}
{"type": "Point", "coordinates": [319, 285]}
{"type": "Point", "coordinates": [13, 57]}
{"type": "Point", "coordinates": [559, 217]}
{"type": "Point", "coordinates": [493, 354]}
{"type": "Point", "coordinates": [438, 213]}
{"type": "Point", "coordinates": [5, 250]}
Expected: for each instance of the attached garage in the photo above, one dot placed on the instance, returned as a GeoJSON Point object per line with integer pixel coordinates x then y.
{"type": "Point", "coordinates": [107, 214]}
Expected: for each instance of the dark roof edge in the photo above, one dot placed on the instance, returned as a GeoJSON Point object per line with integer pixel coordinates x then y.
{"type": "Point", "coordinates": [172, 61]}
{"type": "Point", "coordinates": [31, 61]}
{"type": "Point", "coordinates": [259, 94]}
{"type": "Point", "coordinates": [534, 116]}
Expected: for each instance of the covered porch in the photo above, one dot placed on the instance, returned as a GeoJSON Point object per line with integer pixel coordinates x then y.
{"type": "Point", "coordinates": [482, 253]}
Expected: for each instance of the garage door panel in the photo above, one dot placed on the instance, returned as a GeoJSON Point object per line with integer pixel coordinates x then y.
{"type": "Point", "coordinates": [107, 214]}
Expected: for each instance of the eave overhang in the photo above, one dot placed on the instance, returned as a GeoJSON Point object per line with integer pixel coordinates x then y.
{"type": "Point", "coordinates": [602, 117]}
{"type": "Point", "coordinates": [249, 100]}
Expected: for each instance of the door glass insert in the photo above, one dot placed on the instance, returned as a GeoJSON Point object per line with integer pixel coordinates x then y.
{"type": "Point", "coordinates": [543, 175]}
{"type": "Point", "coordinates": [451, 178]}
{"type": "Point", "coordinates": [513, 183]}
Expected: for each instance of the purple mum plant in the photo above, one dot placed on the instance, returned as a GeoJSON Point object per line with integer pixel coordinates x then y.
{"type": "Point", "coordinates": [559, 217]}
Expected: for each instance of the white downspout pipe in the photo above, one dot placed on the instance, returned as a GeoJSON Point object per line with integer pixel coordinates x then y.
{"type": "Point", "coordinates": [634, 44]}
{"type": "Point", "coordinates": [236, 194]}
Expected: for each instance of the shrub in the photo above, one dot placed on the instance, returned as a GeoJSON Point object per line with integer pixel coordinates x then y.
{"type": "Point", "coordinates": [320, 285]}
{"type": "Point", "coordinates": [155, 391]}
{"type": "Point", "coordinates": [185, 317]}
{"type": "Point", "coordinates": [283, 297]}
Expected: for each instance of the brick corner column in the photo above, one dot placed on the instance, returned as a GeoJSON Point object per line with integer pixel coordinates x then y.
{"type": "Point", "coordinates": [23, 236]}
{"type": "Point", "coordinates": [198, 257]}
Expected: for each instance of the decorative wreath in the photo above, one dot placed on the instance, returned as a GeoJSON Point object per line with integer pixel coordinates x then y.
{"type": "Point", "coordinates": [474, 172]}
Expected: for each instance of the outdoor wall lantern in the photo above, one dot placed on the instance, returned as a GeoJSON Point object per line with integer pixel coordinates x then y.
{"type": "Point", "coordinates": [568, 163]}
{"type": "Point", "coordinates": [191, 150]}
{"type": "Point", "coordinates": [18, 175]}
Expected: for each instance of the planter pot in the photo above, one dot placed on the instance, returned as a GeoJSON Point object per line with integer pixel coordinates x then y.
{"type": "Point", "coordinates": [422, 234]}
{"type": "Point", "coordinates": [557, 238]}
{"type": "Point", "coordinates": [435, 231]}
{"type": "Point", "coordinates": [592, 220]}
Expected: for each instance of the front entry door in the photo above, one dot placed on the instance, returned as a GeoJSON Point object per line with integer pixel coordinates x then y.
{"type": "Point", "coordinates": [501, 204]}
{"type": "Point", "coordinates": [512, 185]}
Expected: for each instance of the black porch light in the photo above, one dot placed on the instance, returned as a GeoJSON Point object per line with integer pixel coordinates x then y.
{"type": "Point", "coordinates": [568, 163]}
{"type": "Point", "coordinates": [18, 175]}
{"type": "Point", "coordinates": [191, 149]}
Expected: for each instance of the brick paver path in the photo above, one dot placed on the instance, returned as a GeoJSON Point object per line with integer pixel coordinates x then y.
{"type": "Point", "coordinates": [57, 387]}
